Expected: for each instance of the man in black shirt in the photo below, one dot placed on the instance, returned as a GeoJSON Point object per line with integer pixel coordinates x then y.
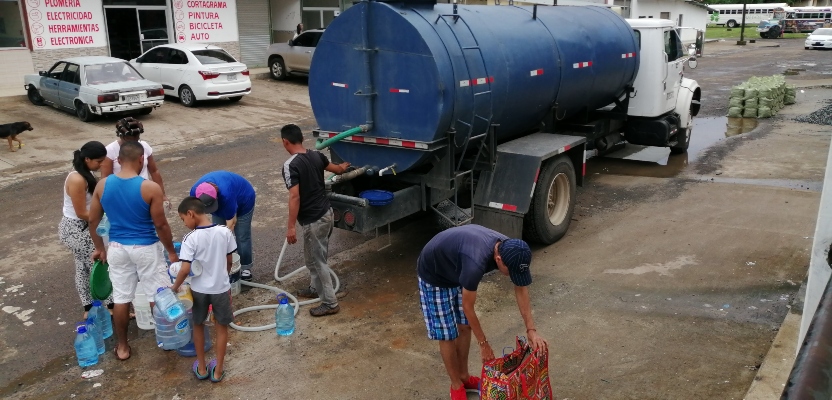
{"type": "Point", "coordinates": [309, 206]}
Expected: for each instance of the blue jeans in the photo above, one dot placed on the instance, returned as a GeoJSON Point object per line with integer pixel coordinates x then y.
{"type": "Point", "coordinates": [242, 231]}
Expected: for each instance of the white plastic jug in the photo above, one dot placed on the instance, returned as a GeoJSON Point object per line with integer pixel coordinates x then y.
{"type": "Point", "coordinates": [144, 315]}
{"type": "Point", "coordinates": [235, 275]}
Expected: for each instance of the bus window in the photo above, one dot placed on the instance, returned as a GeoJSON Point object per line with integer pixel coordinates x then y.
{"type": "Point", "coordinates": [828, 15]}
{"type": "Point", "coordinates": [815, 15]}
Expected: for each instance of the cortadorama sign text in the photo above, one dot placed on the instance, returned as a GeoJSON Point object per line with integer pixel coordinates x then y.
{"type": "Point", "coordinates": [56, 24]}
{"type": "Point", "coordinates": [205, 21]}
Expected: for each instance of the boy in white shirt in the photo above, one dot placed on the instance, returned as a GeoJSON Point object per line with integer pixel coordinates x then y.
{"type": "Point", "coordinates": [211, 245]}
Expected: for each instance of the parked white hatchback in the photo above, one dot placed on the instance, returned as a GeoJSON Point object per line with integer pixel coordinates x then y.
{"type": "Point", "coordinates": [195, 72]}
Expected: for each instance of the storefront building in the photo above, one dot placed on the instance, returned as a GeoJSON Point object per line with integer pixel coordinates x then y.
{"type": "Point", "coordinates": [34, 34]}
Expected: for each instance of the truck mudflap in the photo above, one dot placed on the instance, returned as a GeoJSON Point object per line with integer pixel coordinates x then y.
{"type": "Point", "coordinates": [357, 215]}
{"type": "Point", "coordinates": [503, 196]}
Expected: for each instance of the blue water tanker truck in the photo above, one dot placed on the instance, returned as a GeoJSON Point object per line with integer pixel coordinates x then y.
{"type": "Point", "coordinates": [487, 114]}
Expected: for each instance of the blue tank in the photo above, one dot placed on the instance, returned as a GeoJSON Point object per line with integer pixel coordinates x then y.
{"type": "Point", "coordinates": [431, 71]}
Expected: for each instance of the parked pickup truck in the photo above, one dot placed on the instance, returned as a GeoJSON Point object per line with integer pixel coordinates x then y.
{"type": "Point", "coordinates": [91, 86]}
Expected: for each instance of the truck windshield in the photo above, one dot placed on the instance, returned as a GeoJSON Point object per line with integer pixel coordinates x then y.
{"type": "Point", "coordinates": [98, 74]}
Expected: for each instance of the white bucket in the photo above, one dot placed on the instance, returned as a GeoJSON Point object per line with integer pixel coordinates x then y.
{"type": "Point", "coordinates": [234, 276]}
{"type": "Point", "coordinates": [144, 315]}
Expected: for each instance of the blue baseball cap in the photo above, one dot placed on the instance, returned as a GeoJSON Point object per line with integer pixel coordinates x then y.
{"type": "Point", "coordinates": [517, 256]}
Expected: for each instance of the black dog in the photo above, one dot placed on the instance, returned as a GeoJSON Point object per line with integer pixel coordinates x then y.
{"type": "Point", "coordinates": [10, 132]}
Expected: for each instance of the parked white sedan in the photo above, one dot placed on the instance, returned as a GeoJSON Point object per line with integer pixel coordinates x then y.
{"type": "Point", "coordinates": [195, 72]}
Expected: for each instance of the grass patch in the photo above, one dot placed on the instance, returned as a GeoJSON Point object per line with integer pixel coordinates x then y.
{"type": "Point", "coordinates": [717, 32]}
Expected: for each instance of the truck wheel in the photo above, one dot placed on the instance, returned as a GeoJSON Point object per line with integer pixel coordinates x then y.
{"type": "Point", "coordinates": [553, 202]}
{"type": "Point", "coordinates": [682, 143]}
{"type": "Point", "coordinates": [83, 112]}
{"type": "Point", "coordinates": [774, 32]}
{"type": "Point", "coordinates": [763, 35]}
{"type": "Point", "coordinates": [732, 24]}
{"type": "Point", "coordinates": [35, 97]}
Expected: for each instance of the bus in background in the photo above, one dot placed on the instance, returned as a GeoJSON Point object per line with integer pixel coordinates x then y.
{"type": "Point", "coordinates": [730, 15]}
{"type": "Point", "coordinates": [807, 19]}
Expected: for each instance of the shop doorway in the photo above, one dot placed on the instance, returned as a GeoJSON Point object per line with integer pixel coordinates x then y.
{"type": "Point", "coordinates": [133, 30]}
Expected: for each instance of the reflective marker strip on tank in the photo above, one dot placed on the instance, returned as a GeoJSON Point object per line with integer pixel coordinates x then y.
{"type": "Point", "coordinates": [389, 142]}
{"type": "Point", "coordinates": [584, 171]}
{"type": "Point", "coordinates": [536, 175]}
{"type": "Point", "coordinates": [582, 64]}
{"type": "Point", "coordinates": [501, 206]}
{"type": "Point", "coordinates": [628, 55]}
{"type": "Point", "coordinates": [342, 85]}
{"type": "Point", "coordinates": [536, 72]}
{"type": "Point", "coordinates": [478, 81]}
{"type": "Point", "coordinates": [399, 90]}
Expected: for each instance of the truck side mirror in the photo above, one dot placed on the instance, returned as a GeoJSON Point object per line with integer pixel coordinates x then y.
{"type": "Point", "coordinates": [692, 62]}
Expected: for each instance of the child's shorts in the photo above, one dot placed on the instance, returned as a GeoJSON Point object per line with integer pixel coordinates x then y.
{"type": "Point", "coordinates": [220, 303]}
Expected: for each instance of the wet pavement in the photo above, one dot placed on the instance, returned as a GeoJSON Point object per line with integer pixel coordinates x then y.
{"type": "Point", "coordinates": [671, 282]}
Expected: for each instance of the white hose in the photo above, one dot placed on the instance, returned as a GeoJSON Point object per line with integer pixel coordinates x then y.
{"type": "Point", "coordinates": [293, 300]}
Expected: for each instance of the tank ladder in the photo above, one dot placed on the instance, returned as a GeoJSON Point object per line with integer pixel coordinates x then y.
{"type": "Point", "coordinates": [482, 101]}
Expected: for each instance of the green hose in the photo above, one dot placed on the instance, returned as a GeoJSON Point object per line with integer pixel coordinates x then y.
{"type": "Point", "coordinates": [340, 136]}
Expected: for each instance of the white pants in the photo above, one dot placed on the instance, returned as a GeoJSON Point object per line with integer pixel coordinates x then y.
{"type": "Point", "coordinates": [130, 264]}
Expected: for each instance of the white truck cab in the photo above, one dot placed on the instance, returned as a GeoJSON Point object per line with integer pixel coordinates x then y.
{"type": "Point", "coordinates": [663, 100]}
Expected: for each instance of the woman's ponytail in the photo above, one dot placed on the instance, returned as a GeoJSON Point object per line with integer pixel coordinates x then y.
{"type": "Point", "coordinates": [92, 150]}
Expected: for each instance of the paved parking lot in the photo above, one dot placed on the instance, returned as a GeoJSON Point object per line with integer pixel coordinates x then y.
{"type": "Point", "coordinates": [49, 147]}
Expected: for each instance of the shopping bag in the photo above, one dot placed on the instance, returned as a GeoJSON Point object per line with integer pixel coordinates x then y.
{"type": "Point", "coordinates": [521, 375]}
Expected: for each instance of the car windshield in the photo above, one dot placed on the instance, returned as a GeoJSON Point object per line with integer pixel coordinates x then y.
{"type": "Point", "coordinates": [98, 74]}
{"type": "Point", "coordinates": [213, 56]}
{"type": "Point", "coordinates": [823, 31]}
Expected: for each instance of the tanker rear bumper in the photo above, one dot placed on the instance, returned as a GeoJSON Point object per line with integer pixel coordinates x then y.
{"type": "Point", "coordinates": [366, 218]}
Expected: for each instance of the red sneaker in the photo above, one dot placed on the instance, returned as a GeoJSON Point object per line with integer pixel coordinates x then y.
{"type": "Point", "coordinates": [473, 383]}
{"type": "Point", "coordinates": [459, 394]}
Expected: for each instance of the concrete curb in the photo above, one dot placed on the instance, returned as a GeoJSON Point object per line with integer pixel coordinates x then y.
{"type": "Point", "coordinates": [777, 365]}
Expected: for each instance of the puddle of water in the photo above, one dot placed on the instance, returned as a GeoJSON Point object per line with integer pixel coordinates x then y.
{"type": "Point", "coordinates": [657, 162]}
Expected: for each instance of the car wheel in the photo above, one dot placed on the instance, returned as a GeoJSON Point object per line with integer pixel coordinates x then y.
{"type": "Point", "coordinates": [732, 24]}
{"type": "Point", "coordinates": [35, 97]}
{"type": "Point", "coordinates": [235, 99]}
{"type": "Point", "coordinates": [277, 69]}
{"type": "Point", "coordinates": [146, 111]}
{"type": "Point", "coordinates": [186, 96]}
{"type": "Point", "coordinates": [83, 112]}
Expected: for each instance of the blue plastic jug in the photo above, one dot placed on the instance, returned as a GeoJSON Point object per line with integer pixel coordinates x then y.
{"type": "Point", "coordinates": [171, 335]}
{"type": "Point", "coordinates": [189, 350]}
{"type": "Point", "coordinates": [169, 304]}
{"type": "Point", "coordinates": [284, 317]}
{"type": "Point", "coordinates": [103, 228]}
{"type": "Point", "coordinates": [85, 349]}
{"type": "Point", "coordinates": [177, 246]}
{"type": "Point", "coordinates": [103, 320]}
{"type": "Point", "coordinates": [95, 332]}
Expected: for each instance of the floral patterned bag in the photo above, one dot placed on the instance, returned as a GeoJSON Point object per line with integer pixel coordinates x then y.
{"type": "Point", "coordinates": [521, 375]}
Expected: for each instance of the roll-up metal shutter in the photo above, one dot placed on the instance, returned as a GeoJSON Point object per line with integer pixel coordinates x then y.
{"type": "Point", "coordinates": [253, 21]}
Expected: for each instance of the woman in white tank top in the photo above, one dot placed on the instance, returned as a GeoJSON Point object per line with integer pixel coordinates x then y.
{"type": "Point", "coordinates": [129, 130]}
{"type": "Point", "coordinates": [74, 227]}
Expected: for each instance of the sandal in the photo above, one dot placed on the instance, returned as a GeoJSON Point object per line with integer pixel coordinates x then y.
{"type": "Point", "coordinates": [196, 371]}
{"type": "Point", "coordinates": [129, 353]}
{"type": "Point", "coordinates": [211, 367]}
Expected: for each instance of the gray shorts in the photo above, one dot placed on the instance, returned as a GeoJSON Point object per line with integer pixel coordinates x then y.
{"type": "Point", "coordinates": [220, 304]}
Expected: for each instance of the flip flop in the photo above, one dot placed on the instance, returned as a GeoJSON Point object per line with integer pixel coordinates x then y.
{"type": "Point", "coordinates": [196, 371]}
{"type": "Point", "coordinates": [129, 353]}
{"type": "Point", "coordinates": [211, 367]}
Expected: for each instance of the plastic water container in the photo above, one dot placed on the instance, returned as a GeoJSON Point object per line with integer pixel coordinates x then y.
{"type": "Point", "coordinates": [171, 335]}
{"type": "Point", "coordinates": [177, 246]}
{"type": "Point", "coordinates": [235, 275]}
{"type": "Point", "coordinates": [169, 304]}
{"type": "Point", "coordinates": [95, 332]}
{"type": "Point", "coordinates": [144, 315]}
{"type": "Point", "coordinates": [85, 350]}
{"type": "Point", "coordinates": [189, 350]}
{"type": "Point", "coordinates": [186, 297]}
{"type": "Point", "coordinates": [103, 228]}
{"type": "Point", "coordinates": [284, 317]}
{"type": "Point", "coordinates": [104, 321]}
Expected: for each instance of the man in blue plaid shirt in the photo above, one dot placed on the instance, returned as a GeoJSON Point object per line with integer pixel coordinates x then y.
{"type": "Point", "coordinates": [450, 268]}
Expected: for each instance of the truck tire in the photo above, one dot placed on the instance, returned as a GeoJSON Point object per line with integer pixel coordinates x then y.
{"type": "Point", "coordinates": [731, 24]}
{"type": "Point", "coordinates": [682, 143]}
{"type": "Point", "coordinates": [552, 203]}
{"type": "Point", "coordinates": [774, 32]}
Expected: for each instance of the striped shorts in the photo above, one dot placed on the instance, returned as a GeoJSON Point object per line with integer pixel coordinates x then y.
{"type": "Point", "coordinates": [442, 308]}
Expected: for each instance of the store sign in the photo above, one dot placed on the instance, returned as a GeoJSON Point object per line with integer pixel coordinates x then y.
{"type": "Point", "coordinates": [205, 21]}
{"type": "Point", "coordinates": [62, 24]}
